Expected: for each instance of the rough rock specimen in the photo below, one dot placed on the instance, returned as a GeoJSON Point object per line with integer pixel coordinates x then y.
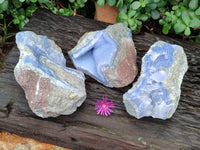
{"type": "Point", "coordinates": [157, 91]}
{"type": "Point", "coordinates": [50, 88]}
{"type": "Point", "coordinates": [108, 55]}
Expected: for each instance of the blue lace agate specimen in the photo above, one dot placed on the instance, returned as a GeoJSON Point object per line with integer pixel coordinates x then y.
{"type": "Point", "coordinates": [157, 91]}
{"type": "Point", "coordinates": [51, 88]}
{"type": "Point", "coordinates": [107, 55]}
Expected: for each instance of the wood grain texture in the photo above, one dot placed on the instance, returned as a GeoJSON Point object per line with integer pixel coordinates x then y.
{"type": "Point", "coordinates": [84, 129]}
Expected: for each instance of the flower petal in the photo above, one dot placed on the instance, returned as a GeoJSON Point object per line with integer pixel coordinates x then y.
{"type": "Point", "coordinates": [106, 113]}
{"type": "Point", "coordinates": [98, 112]}
{"type": "Point", "coordinates": [110, 110]}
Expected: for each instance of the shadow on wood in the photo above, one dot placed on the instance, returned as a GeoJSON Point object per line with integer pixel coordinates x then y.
{"type": "Point", "coordinates": [84, 129]}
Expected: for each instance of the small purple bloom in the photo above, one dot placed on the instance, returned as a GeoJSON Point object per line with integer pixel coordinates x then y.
{"type": "Point", "coordinates": [103, 108]}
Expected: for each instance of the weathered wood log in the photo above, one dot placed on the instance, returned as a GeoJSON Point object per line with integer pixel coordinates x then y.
{"type": "Point", "coordinates": [84, 129]}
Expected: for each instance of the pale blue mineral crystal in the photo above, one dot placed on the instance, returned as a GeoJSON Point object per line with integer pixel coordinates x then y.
{"type": "Point", "coordinates": [51, 88]}
{"type": "Point", "coordinates": [107, 55]}
{"type": "Point", "coordinates": [157, 91]}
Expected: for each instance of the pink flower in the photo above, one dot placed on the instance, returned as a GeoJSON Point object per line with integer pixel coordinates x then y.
{"type": "Point", "coordinates": [103, 108]}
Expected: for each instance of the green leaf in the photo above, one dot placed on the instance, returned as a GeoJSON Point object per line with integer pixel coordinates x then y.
{"type": "Point", "coordinates": [178, 12]}
{"type": "Point", "coordinates": [179, 27]}
{"type": "Point", "coordinates": [197, 12]}
{"type": "Point", "coordinates": [143, 17]}
{"type": "Point", "coordinates": [22, 1]}
{"type": "Point", "coordinates": [118, 19]}
{"type": "Point", "coordinates": [123, 9]}
{"type": "Point", "coordinates": [185, 17]}
{"type": "Point", "coordinates": [125, 23]}
{"type": "Point", "coordinates": [162, 22]}
{"type": "Point", "coordinates": [79, 2]}
{"type": "Point", "coordinates": [139, 23]}
{"type": "Point", "coordinates": [191, 14]}
{"type": "Point", "coordinates": [21, 25]}
{"type": "Point", "coordinates": [61, 11]}
{"type": "Point", "coordinates": [147, 10]}
{"type": "Point", "coordinates": [111, 2]}
{"type": "Point", "coordinates": [193, 4]}
{"type": "Point", "coordinates": [16, 21]}
{"type": "Point", "coordinates": [1, 1]}
{"type": "Point", "coordinates": [186, 2]}
{"type": "Point", "coordinates": [43, 1]}
{"type": "Point", "coordinates": [137, 14]}
{"type": "Point", "coordinates": [77, 6]}
{"type": "Point", "coordinates": [187, 31]}
{"type": "Point", "coordinates": [173, 2]}
{"type": "Point", "coordinates": [1, 16]}
{"type": "Point", "coordinates": [28, 1]}
{"type": "Point", "coordinates": [168, 19]}
{"type": "Point", "coordinates": [21, 11]}
{"type": "Point", "coordinates": [155, 14]}
{"type": "Point", "coordinates": [131, 13]}
{"type": "Point", "coordinates": [4, 5]}
{"type": "Point", "coordinates": [21, 17]}
{"type": "Point", "coordinates": [197, 39]}
{"type": "Point", "coordinates": [166, 28]}
{"type": "Point", "coordinates": [65, 11]}
{"type": "Point", "coordinates": [69, 12]}
{"type": "Point", "coordinates": [175, 7]}
{"type": "Point", "coordinates": [129, 1]}
{"type": "Point", "coordinates": [162, 4]}
{"type": "Point", "coordinates": [143, 4]}
{"type": "Point", "coordinates": [134, 28]}
{"type": "Point", "coordinates": [135, 5]}
{"type": "Point", "coordinates": [17, 3]}
{"type": "Point", "coordinates": [152, 6]}
{"type": "Point", "coordinates": [33, 1]}
{"type": "Point", "coordinates": [82, 5]}
{"type": "Point", "coordinates": [119, 4]}
{"type": "Point", "coordinates": [147, 1]}
{"type": "Point", "coordinates": [131, 22]}
{"type": "Point", "coordinates": [195, 23]}
{"type": "Point", "coordinates": [156, 1]}
{"type": "Point", "coordinates": [14, 13]}
{"type": "Point", "coordinates": [31, 9]}
{"type": "Point", "coordinates": [71, 1]}
{"type": "Point", "coordinates": [122, 15]}
{"type": "Point", "coordinates": [100, 3]}
{"type": "Point", "coordinates": [174, 19]}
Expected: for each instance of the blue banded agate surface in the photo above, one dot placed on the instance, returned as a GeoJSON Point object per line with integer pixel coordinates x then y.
{"type": "Point", "coordinates": [41, 47]}
{"type": "Point", "coordinates": [95, 54]}
{"type": "Point", "coordinates": [153, 94]}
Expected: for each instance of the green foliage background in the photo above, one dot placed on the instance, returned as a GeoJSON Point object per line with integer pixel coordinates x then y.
{"type": "Point", "coordinates": [22, 10]}
{"type": "Point", "coordinates": [182, 16]}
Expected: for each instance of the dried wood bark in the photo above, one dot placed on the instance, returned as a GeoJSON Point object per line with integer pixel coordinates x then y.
{"type": "Point", "coordinates": [84, 129]}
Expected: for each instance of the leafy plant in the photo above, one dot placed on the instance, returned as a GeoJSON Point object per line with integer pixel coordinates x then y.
{"type": "Point", "coordinates": [4, 32]}
{"type": "Point", "coordinates": [101, 3]}
{"type": "Point", "coordinates": [182, 16]}
{"type": "Point", "coordinates": [22, 10]}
